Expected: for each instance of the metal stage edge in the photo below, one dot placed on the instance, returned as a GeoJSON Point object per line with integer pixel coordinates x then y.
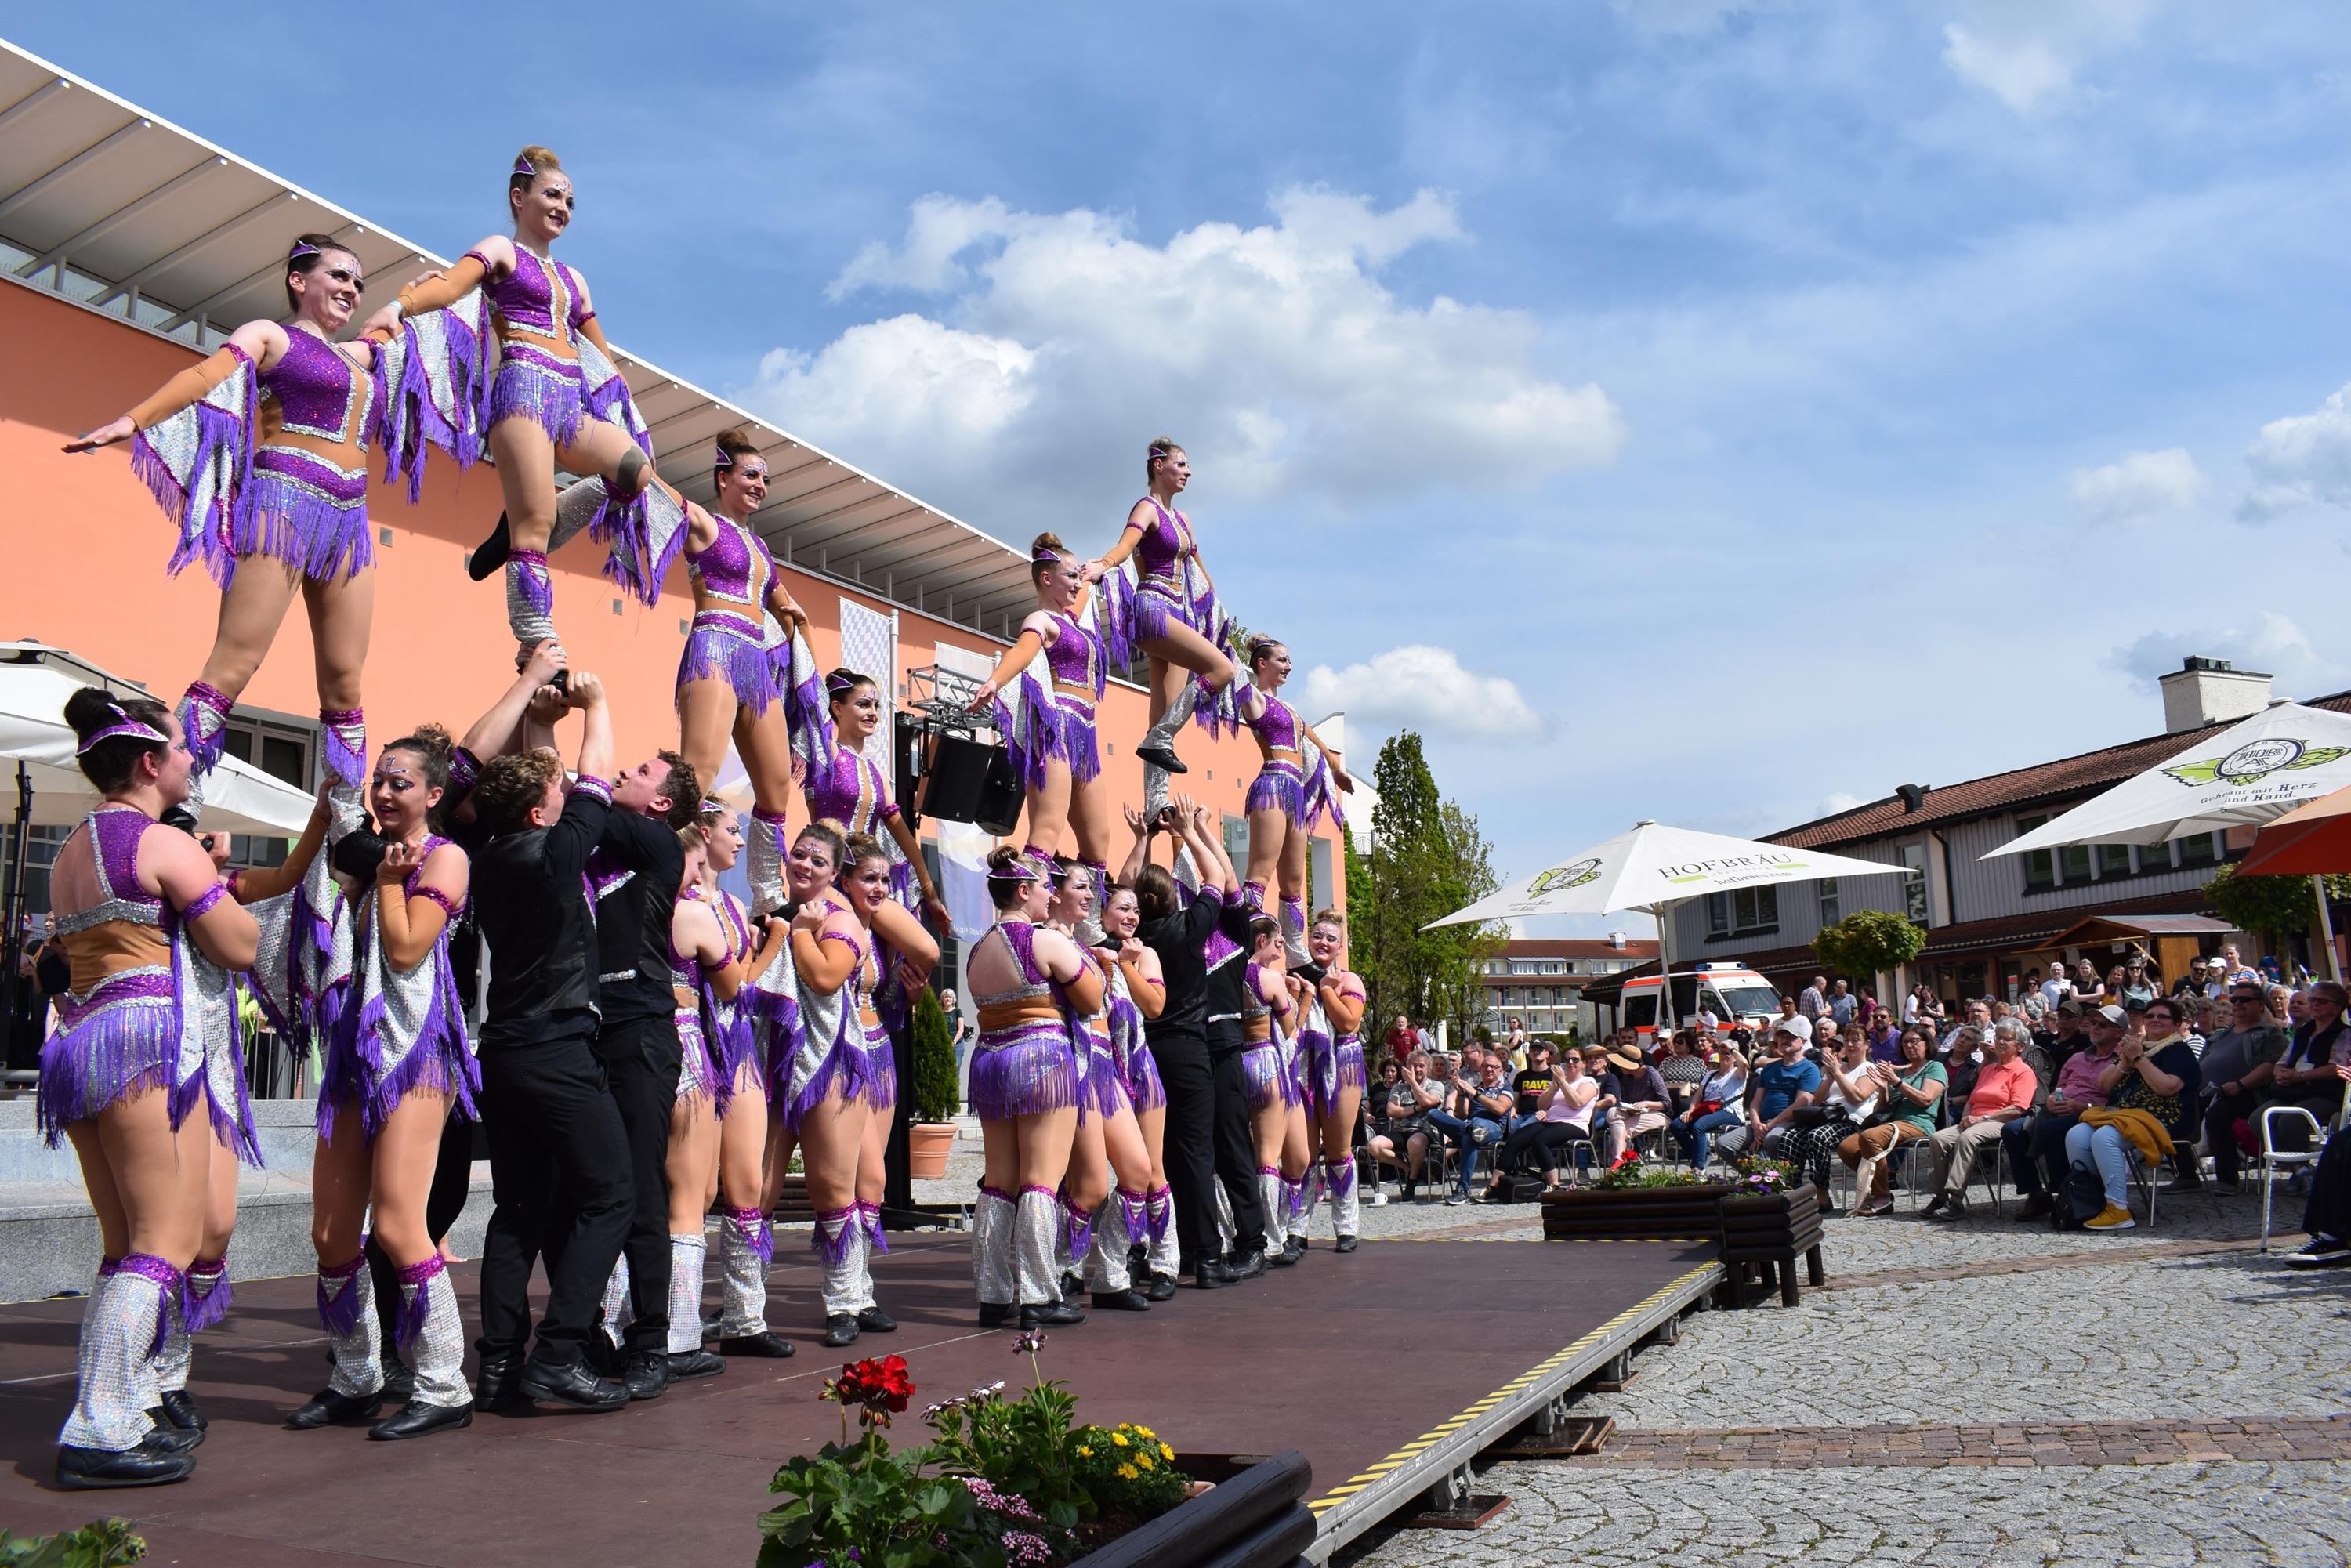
{"type": "Point", "coordinates": [1434, 1469]}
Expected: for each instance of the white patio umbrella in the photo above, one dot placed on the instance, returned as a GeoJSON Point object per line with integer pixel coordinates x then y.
{"type": "Point", "coordinates": [1653, 869]}
{"type": "Point", "coordinates": [34, 735]}
{"type": "Point", "coordinates": [2248, 775]}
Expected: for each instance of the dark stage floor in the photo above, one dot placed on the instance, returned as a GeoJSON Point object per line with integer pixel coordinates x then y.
{"type": "Point", "coordinates": [1350, 1359]}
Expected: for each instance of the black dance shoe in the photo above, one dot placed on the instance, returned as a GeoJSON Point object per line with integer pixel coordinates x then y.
{"type": "Point", "coordinates": [1247, 1266]}
{"type": "Point", "coordinates": [1054, 1315]}
{"type": "Point", "coordinates": [697, 1362]}
{"type": "Point", "coordinates": [996, 1314]}
{"type": "Point", "coordinates": [710, 1327]}
{"type": "Point", "coordinates": [1286, 1258]}
{"type": "Point", "coordinates": [1300, 1240]}
{"type": "Point", "coordinates": [838, 1330]}
{"type": "Point", "coordinates": [180, 1406]}
{"type": "Point", "coordinates": [873, 1320]}
{"type": "Point", "coordinates": [1162, 757]}
{"type": "Point", "coordinates": [1345, 1244]}
{"type": "Point", "coordinates": [647, 1376]}
{"type": "Point", "coordinates": [1161, 1289]}
{"type": "Point", "coordinates": [497, 1382]}
{"type": "Point", "coordinates": [1125, 1301]}
{"type": "Point", "coordinates": [1138, 1261]}
{"type": "Point", "coordinates": [399, 1379]}
{"type": "Point", "coordinates": [1214, 1276]}
{"type": "Point", "coordinates": [767, 1343]}
{"type": "Point", "coordinates": [167, 1436]}
{"type": "Point", "coordinates": [88, 1470]}
{"type": "Point", "coordinates": [421, 1420]}
{"type": "Point", "coordinates": [572, 1383]}
{"type": "Point", "coordinates": [329, 1408]}
{"type": "Point", "coordinates": [1073, 1286]}
{"type": "Point", "coordinates": [491, 553]}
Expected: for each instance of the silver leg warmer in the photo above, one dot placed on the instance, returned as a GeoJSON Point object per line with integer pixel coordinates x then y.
{"type": "Point", "coordinates": [179, 1352]}
{"type": "Point", "coordinates": [620, 1311]}
{"type": "Point", "coordinates": [841, 1241]}
{"type": "Point", "coordinates": [1346, 1208]}
{"type": "Point", "coordinates": [574, 510]}
{"type": "Point", "coordinates": [1164, 1256]}
{"type": "Point", "coordinates": [1164, 732]}
{"type": "Point", "coordinates": [1273, 1196]}
{"type": "Point", "coordinates": [346, 1306]}
{"type": "Point", "coordinates": [686, 1258]}
{"type": "Point", "coordinates": [1106, 1256]}
{"type": "Point", "coordinates": [438, 1349]}
{"type": "Point", "coordinates": [1037, 1233]}
{"type": "Point", "coordinates": [530, 597]}
{"type": "Point", "coordinates": [991, 1248]}
{"type": "Point", "coordinates": [116, 1371]}
{"type": "Point", "coordinates": [1225, 1234]}
{"type": "Point", "coordinates": [763, 843]}
{"type": "Point", "coordinates": [742, 1280]}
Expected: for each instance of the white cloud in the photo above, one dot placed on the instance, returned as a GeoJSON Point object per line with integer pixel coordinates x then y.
{"type": "Point", "coordinates": [1423, 688]}
{"type": "Point", "coordinates": [2140, 485]}
{"type": "Point", "coordinates": [2025, 52]}
{"type": "Point", "coordinates": [2304, 460]}
{"type": "Point", "coordinates": [1274, 353]}
{"type": "Point", "coordinates": [2270, 641]}
{"type": "Point", "coordinates": [1838, 801]}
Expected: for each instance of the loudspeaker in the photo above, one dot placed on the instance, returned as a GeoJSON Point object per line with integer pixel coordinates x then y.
{"type": "Point", "coordinates": [973, 783]}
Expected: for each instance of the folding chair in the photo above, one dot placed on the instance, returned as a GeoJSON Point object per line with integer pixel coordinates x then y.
{"type": "Point", "coordinates": [2275, 1160]}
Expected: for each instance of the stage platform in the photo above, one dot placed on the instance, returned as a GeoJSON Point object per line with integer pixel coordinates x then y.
{"type": "Point", "coordinates": [1389, 1368]}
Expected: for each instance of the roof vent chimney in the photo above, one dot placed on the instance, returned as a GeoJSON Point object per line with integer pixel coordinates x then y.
{"type": "Point", "coordinates": [2204, 692]}
{"type": "Point", "coordinates": [1913, 796]}
{"type": "Point", "coordinates": [1616, 939]}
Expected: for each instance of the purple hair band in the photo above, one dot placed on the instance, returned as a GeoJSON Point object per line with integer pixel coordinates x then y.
{"type": "Point", "coordinates": [525, 168]}
{"type": "Point", "coordinates": [1018, 871]}
{"type": "Point", "coordinates": [302, 247]}
{"type": "Point", "coordinates": [132, 728]}
{"type": "Point", "coordinates": [725, 459]}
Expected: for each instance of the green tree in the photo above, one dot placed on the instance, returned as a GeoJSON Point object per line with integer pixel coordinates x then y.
{"type": "Point", "coordinates": [1868, 942]}
{"type": "Point", "coordinates": [933, 1092]}
{"type": "Point", "coordinates": [2274, 907]}
{"type": "Point", "coordinates": [1427, 859]}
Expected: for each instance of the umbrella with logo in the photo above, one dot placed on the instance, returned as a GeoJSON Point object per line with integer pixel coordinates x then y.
{"type": "Point", "coordinates": [2248, 776]}
{"type": "Point", "coordinates": [1653, 869]}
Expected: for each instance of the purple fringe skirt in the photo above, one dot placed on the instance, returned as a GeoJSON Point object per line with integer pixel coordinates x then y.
{"type": "Point", "coordinates": [297, 511]}
{"type": "Point", "coordinates": [438, 1065]}
{"type": "Point", "coordinates": [1105, 1088]}
{"type": "Point", "coordinates": [1145, 1091]}
{"type": "Point", "coordinates": [122, 1043]}
{"type": "Point", "coordinates": [845, 1067]}
{"type": "Point", "coordinates": [1339, 1067]}
{"type": "Point", "coordinates": [1278, 785]}
{"type": "Point", "coordinates": [880, 1071]}
{"type": "Point", "coordinates": [1024, 1070]}
{"type": "Point", "coordinates": [549, 391]}
{"type": "Point", "coordinates": [697, 1070]}
{"type": "Point", "coordinates": [1268, 1075]}
{"type": "Point", "coordinates": [721, 646]}
{"type": "Point", "coordinates": [1157, 603]}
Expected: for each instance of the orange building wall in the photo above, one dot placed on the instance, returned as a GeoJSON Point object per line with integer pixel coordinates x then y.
{"type": "Point", "coordinates": [81, 569]}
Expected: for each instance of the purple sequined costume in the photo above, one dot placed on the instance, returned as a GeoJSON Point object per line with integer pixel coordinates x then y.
{"type": "Point", "coordinates": [1329, 1066]}
{"type": "Point", "coordinates": [734, 637]}
{"type": "Point", "coordinates": [1041, 725]}
{"type": "Point", "coordinates": [1030, 1067]}
{"type": "Point", "coordinates": [842, 1043]}
{"type": "Point", "coordinates": [1268, 1064]}
{"type": "Point", "coordinates": [1170, 583]}
{"type": "Point", "coordinates": [698, 1075]}
{"type": "Point", "coordinates": [407, 1028]}
{"type": "Point", "coordinates": [1286, 781]}
{"type": "Point", "coordinates": [1141, 1073]}
{"type": "Point", "coordinates": [131, 1028]}
{"type": "Point", "coordinates": [731, 1023]}
{"type": "Point", "coordinates": [271, 463]}
{"type": "Point", "coordinates": [1103, 1084]}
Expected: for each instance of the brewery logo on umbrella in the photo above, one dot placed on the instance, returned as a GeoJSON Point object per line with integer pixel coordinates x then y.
{"type": "Point", "coordinates": [2256, 760]}
{"type": "Point", "coordinates": [1560, 878]}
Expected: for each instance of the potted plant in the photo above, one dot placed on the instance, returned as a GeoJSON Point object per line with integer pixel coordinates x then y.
{"type": "Point", "coordinates": [1635, 1202]}
{"type": "Point", "coordinates": [930, 1136]}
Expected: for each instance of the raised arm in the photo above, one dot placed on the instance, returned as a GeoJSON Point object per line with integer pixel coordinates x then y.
{"type": "Point", "coordinates": [1339, 774]}
{"type": "Point", "coordinates": [933, 904]}
{"type": "Point", "coordinates": [500, 730]}
{"type": "Point", "coordinates": [266, 883]}
{"type": "Point", "coordinates": [1139, 855]}
{"type": "Point", "coordinates": [185, 876]}
{"type": "Point", "coordinates": [493, 258]}
{"type": "Point", "coordinates": [1138, 519]}
{"type": "Point", "coordinates": [825, 949]}
{"type": "Point", "coordinates": [1037, 635]}
{"type": "Point", "coordinates": [586, 694]}
{"type": "Point", "coordinates": [259, 343]}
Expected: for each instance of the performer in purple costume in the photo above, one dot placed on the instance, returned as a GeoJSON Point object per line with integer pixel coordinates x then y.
{"type": "Point", "coordinates": [1174, 616]}
{"type": "Point", "coordinates": [124, 1069]}
{"type": "Point", "coordinates": [259, 453]}
{"type": "Point", "coordinates": [1029, 985]}
{"type": "Point", "coordinates": [1141, 994]}
{"type": "Point", "coordinates": [1277, 1095]}
{"type": "Point", "coordinates": [1042, 698]}
{"type": "Point", "coordinates": [747, 671]}
{"type": "Point", "coordinates": [1332, 1055]}
{"type": "Point", "coordinates": [1291, 794]}
{"type": "Point", "coordinates": [397, 1065]}
{"type": "Point", "coordinates": [847, 788]}
{"type": "Point", "coordinates": [555, 400]}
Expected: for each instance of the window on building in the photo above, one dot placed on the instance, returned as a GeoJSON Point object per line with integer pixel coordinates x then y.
{"type": "Point", "coordinates": [1913, 859]}
{"type": "Point", "coordinates": [2041, 865]}
{"type": "Point", "coordinates": [2073, 862]}
{"type": "Point", "coordinates": [1830, 913]}
{"type": "Point", "coordinates": [1718, 914]}
{"type": "Point", "coordinates": [2114, 859]}
{"type": "Point", "coordinates": [2204, 849]}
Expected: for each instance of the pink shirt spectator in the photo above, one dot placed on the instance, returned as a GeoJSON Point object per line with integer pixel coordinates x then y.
{"type": "Point", "coordinates": [2003, 1084]}
{"type": "Point", "coordinates": [2077, 1081]}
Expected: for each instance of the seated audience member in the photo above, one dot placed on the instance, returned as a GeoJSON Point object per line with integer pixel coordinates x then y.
{"type": "Point", "coordinates": [1909, 1097]}
{"type": "Point", "coordinates": [1401, 1137]}
{"type": "Point", "coordinates": [2036, 1144]}
{"type": "Point", "coordinates": [1720, 1105]}
{"type": "Point", "coordinates": [1530, 1084]}
{"type": "Point", "coordinates": [2151, 1107]}
{"type": "Point", "coordinates": [1642, 1100]}
{"type": "Point", "coordinates": [1482, 1104]}
{"type": "Point", "coordinates": [2004, 1090]}
{"type": "Point", "coordinates": [1848, 1095]}
{"type": "Point", "coordinates": [2315, 1065]}
{"type": "Point", "coordinates": [1780, 1087]}
{"type": "Point", "coordinates": [1683, 1069]}
{"type": "Point", "coordinates": [2239, 1060]}
{"type": "Point", "coordinates": [1963, 1058]}
{"type": "Point", "coordinates": [1563, 1117]}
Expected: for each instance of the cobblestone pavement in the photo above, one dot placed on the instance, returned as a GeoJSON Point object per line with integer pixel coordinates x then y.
{"type": "Point", "coordinates": [1978, 1392]}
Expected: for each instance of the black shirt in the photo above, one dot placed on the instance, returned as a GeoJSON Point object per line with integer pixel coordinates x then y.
{"type": "Point", "coordinates": [1530, 1086]}
{"type": "Point", "coordinates": [532, 903]}
{"type": "Point", "coordinates": [638, 868]}
{"type": "Point", "coordinates": [1194, 992]}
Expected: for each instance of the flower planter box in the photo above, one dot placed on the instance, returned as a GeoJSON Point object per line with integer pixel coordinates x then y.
{"type": "Point", "coordinates": [1692, 1213]}
{"type": "Point", "coordinates": [1766, 1234]}
{"type": "Point", "coordinates": [1256, 1519]}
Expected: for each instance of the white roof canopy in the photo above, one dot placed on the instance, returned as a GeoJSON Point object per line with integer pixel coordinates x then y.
{"type": "Point", "coordinates": [124, 212]}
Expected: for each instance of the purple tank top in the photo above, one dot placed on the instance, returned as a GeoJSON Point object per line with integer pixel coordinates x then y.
{"type": "Point", "coordinates": [1164, 543]}
{"type": "Point", "coordinates": [850, 789]}
{"type": "Point", "coordinates": [319, 391]}
{"type": "Point", "coordinates": [1075, 657]}
{"type": "Point", "coordinates": [117, 834]}
{"type": "Point", "coordinates": [1277, 726]}
{"type": "Point", "coordinates": [734, 573]}
{"type": "Point", "coordinates": [539, 297]}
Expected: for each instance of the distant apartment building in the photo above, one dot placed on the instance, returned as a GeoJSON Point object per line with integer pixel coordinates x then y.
{"type": "Point", "coordinates": [1540, 982]}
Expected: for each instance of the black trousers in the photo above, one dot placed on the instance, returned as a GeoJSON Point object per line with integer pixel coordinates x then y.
{"type": "Point", "coordinates": [1188, 1145]}
{"type": "Point", "coordinates": [2328, 1212]}
{"type": "Point", "coordinates": [1236, 1149]}
{"type": "Point", "coordinates": [2036, 1151]}
{"type": "Point", "coordinates": [640, 1060]}
{"type": "Point", "coordinates": [452, 1178]}
{"type": "Point", "coordinates": [2221, 1119]}
{"type": "Point", "coordinates": [560, 1174]}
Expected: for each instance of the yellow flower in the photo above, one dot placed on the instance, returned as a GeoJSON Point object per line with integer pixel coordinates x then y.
{"type": "Point", "coordinates": [1118, 1438]}
{"type": "Point", "coordinates": [1085, 1453]}
{"type": "Point", "coordinates": [1126, 1473]}
{"type": "Point", "coordinates": [1144, 1460]}
{"type": "Point", "coordinates": [1167, 1453]}
{"type": "Point", "coordinates": [1144, 1430]}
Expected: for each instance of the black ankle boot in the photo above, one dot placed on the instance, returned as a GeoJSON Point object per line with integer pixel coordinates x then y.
{"type": "Point", "coordinates": [88, 1470]}
{"type": "Point", "coordinates": [1056, 1314]}
{"type": "Point", "coordinates": [839, 1330]}
{"type": "Point", "coordinates": [329, 1408]}
{"type": "Point", "coordinates": [491, 554]}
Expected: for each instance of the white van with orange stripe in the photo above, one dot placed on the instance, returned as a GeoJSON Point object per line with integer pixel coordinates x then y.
{"type": "Point", "coordinates": [1733, 995]}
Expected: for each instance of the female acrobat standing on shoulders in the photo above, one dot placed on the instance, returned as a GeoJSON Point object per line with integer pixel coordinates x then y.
{"type": "Point", "coordinates": [747, 672]}
{"type": "Point", "coordinates": [1291, 794]}
{"type": "Point", "coordinates": [1029, 983]}
{"type": "Point", "coordinates": [1042, 698]}
{"type": "Point", "coordinates": [124, 1070]}
{"type": "Point", "coordinates": [1107, 1190]}
{"type": "Point", "coordinates": [1174, 613]}
{"type": "Point", "coordinates": [259, 452]}
{"type": "Point", "coordinates": [554, 400]}
{"type": "Point", "coordinates": [1333, 1053]}
{"type": "Point", "coordinates": [397, 1065]}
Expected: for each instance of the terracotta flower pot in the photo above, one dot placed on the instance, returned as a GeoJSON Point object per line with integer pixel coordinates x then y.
{"type": "Point", "coordinates": [928, 1145]}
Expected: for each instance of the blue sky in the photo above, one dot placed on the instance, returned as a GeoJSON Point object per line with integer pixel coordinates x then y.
{"type": "Point", "coordinates": [1708, 411]}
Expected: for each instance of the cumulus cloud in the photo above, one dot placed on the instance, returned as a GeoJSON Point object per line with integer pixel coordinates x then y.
{"type": "Point", "coordinates": [2304, 460]}
{"type": "Point", "coordinates": [2269, 641]}
{"type": "Point", "coordinates": [2141, 484]}
{"type": "Point", "coordinates": [1274, 353]}
{"type": "Point", "coordinates": [1420, 688]}
{"type": "Point", "coordinates": [2025, 52]}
